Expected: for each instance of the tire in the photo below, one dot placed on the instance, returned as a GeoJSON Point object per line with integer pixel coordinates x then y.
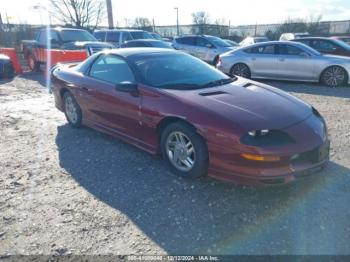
{"type": "Point", "coordinates": [334, 76]}
{"type": "Point", "coordinates": [72, 110]}
{"type": "Point", "coordinates": [215, 61]}
{"type": "Point", "coordinates": [240, 69]}
{"type": "Point", "coordinates": [33, 64]}
{"type": "Point", "coordinates": [177, 154]}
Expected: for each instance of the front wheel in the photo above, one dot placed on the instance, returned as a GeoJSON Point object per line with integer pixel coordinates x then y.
{"type": "Point", "coordinates": [240, 70]}
{"type": "Point", "coordinates": [72, 110]}
{"type": "Point", "coordinates": [334, 76]}
{"type": "Point", "coordinates": [184, 150]}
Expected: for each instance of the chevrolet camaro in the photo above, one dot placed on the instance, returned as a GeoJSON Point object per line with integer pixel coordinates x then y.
{"type": "Point", "coordinates": [202, 121]}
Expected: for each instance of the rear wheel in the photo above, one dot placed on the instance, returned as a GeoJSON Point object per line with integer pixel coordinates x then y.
{"type": "Point", "coordinates": [72, 110]}
{"type": "Point", "coordinates": [184, 150]}
{"type": "Point", "coordinates": [240, 69]}
{"type": "Point", "coordinates": [334, 76]}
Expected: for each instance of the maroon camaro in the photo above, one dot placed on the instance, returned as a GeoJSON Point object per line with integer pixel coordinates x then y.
{"type": "Point", "coordinates": [202, 121]}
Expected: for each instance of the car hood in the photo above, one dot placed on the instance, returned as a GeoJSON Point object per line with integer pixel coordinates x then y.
{"type": "Point", "coordinates": [249, 105]}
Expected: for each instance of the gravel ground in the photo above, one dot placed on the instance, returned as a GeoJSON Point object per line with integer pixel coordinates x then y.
{"type": "Point", "coordinates": [69, 191]}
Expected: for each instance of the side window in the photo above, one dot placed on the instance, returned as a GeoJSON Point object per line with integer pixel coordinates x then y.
{"type": "Point", "coordinates": [44, 35]}
{"type": "Point", "coordinates": [179, 40]}
{"type": "Point", "coordinates": [113, 37]}
{"type": "Point", "coordinates": [263, 49]}
{"type": "Point", "coordinates": [112, 69]}
{"type": "Point", "coordinates": [290, 50]}
{"type": "Point", "coordinates": [202, 42]}
{"type": "Point", "coordinates": [325, 46]}
{"type": "Point", "coordinates": [305, 42]}
{"type": "Point", "coordinates": [189, 41]}
{"type": "Point", "coordinates": [100, 36]}
{"type": "Point", "coordinates": [126, 37]}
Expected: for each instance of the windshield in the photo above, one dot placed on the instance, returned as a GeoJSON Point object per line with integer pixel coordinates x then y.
{"type": "Point", "coordinates": [76, 35]}
{"type": "Point", "coordinates": [141, 35]}
{"type": "Point", "coordinates": [158, 37]}
{"type": "Point", "coordinates": [218, 42]}
{"type": "Point", "coordinates": [178, 71]}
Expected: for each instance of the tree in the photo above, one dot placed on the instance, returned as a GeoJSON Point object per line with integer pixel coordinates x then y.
{"type": "Point", "coordinates": [200, 20]}
{"type": "Point", "coordinates": [142, 22]}
{"type": "Point", "coordinates": [79, 13]}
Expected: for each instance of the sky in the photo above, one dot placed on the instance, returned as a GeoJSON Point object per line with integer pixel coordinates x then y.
{"type": "Point", "coordinates": [163, 12]}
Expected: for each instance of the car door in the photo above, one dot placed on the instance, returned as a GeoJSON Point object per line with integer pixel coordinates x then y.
{"type": "Point", "coordinates": [294, 63]}
{"type": "Point", "coordinates": [106, 106]}
{"type": "Point", "coordinates": [325, 46]}
{"type": "Point", "coordinates": [189, 45]}
{"type": "Point", "coordinates": [204, 49]}
{"type": "Point", "coordinates": [262, 60]}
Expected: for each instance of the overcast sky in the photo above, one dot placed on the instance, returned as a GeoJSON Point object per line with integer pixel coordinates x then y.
{"type": "Point", "coordinates": [163, 12]}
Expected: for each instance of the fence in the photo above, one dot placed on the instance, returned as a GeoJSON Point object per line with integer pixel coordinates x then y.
{"type": "Point", "coordinates": [12, 34]}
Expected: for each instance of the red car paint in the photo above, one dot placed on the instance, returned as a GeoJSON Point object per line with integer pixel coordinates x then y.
{"type": "Point", "coordinates": [221, 119]}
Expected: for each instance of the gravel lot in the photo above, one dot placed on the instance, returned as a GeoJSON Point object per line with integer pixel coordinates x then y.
{"type": "Point", "coordinates": [69, 191]}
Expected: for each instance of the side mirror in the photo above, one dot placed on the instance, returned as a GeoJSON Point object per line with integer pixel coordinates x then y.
{"type": "Point", "coordinates": [128, 87]}
{"type": "Point", "coordinates": [304, 55]}
{"type": "Point", "coordinates": [210, 46]}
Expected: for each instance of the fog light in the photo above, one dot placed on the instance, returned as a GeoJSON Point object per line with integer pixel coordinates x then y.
{"type": "Point", "coordinates": [261, 158]}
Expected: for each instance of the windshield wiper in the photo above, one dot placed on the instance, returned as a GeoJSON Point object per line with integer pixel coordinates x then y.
{"type": "Point", "coordinates": [219, 82]}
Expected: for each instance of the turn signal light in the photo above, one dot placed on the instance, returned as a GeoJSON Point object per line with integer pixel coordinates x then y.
{"type": "Point", "coordinates": [261, 158]}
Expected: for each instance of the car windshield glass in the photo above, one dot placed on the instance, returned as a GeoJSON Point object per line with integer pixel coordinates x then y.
{"type": "Point", "coordinates": [342, 44]}
{"type": "Point", "coordinates": [311, 50]}
{"type": "Point", "coordinates": [178, 71]}
{"type": "Point", "coordinates": [158, 37]}
{"type": "Point", "coordinates": [141, 35]}
{"type": "Point", "coordinates": [76, 35]}
{"type": "Point", "coordinates": [218, 41]}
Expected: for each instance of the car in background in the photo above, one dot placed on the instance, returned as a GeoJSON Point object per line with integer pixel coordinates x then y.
{"type": "Point", "coordinates": [326, 45]}
{"type": "Point", "coordinates": [206, 47]}
{"type": "Point", "coordinates": [146, 43]}
{"type": "Point", "coordinates": [119, 36]}
{"type": "Point", "coordinates": [232, 43]}
{"type": "Point", "coordinates": [156, 36]}
{"type": "Point", "coordinates": [291, 36]}
{"type": "Point", "coordinates": [345, 39]}
{"type": "Point", "coordinates": [202, 121]}
{"type": "Point", "coordinates": [286, 60]}
{"type": "Point", "coordinates": [59, 38]}
{"type": "Point", "coordinates": [250, 40]}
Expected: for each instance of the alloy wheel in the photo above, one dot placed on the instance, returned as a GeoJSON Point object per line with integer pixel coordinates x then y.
{"type": "Point", "coordinates": [334, 76]}
{"type": "Point", "coordinates": [180, 151]}
{"type": "Point", "coordinates": [241, 70]}
{"type": "Point", "coordinates": [71, 110]}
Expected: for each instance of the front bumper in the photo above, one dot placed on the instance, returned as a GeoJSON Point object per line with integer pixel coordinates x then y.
{"type": "Point", "coordinates": [306, 164]}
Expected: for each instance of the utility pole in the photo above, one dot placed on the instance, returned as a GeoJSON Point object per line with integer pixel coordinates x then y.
{"type": "Point", "coordinates": [177, 20]}
{"type": "Point", "coordinates": [110, 13]}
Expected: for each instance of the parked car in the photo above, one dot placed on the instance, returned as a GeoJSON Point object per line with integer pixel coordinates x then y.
{"type": "Point", "coordinates": [59, 38]}
{"type": "Point", "coordinates": [119, 36]}
{"type": "Point", "coordinates": [206, 47]}
{"type": "Point", "coordinates": [326, 45]}
{"type": "Point", "coordinates": [345, 39]}
{"type": "Point", "coordinates": [6, 67]}
{"type": "Point", "coordinates": [253, 40]}
{"type": "Point", "coordinates": [202, 121]}
{"type": "Point", "coordinates": [291, 36]}
{"type": "Point", "coordinates": [231, 43]}
{"type": "Point", "coordinates": [286, 61]}
{"type": "Point", "coordinates": [147, 43]}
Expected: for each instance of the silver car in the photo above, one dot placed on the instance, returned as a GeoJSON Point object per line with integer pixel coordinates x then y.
{"type": "Point", "coordinates": [286, 61]}
{"type": "Point", "coordinates": [205, 47]}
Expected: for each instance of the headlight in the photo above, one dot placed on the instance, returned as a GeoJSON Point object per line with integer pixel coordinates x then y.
{"type": "Point", "coordinates": [266, 138]}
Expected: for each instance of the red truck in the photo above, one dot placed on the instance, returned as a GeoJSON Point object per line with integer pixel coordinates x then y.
{"type": "Point", "coordinates": [63, 42]}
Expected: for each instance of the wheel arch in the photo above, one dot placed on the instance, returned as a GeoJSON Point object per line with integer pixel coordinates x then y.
{"type": "Point", "coordinates": [329, 66]}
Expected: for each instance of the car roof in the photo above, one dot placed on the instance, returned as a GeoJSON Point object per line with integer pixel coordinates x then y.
{"type": "Point", "coordinates": [275, 42]}
{"type": "Point", "coordinates": [144, 40]}
{"type": "Point", "coordinates": [120, 30]}
{"type": "Point", "coordinates": [312, 37]}
{"type": "Point", "coordinates": [140, 51]}
{"type": "Point", "coordinates": [58, 28]}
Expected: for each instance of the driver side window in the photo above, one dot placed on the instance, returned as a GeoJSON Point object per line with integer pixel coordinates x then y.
{"type": "Point", "coordinates": [112, 69]}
